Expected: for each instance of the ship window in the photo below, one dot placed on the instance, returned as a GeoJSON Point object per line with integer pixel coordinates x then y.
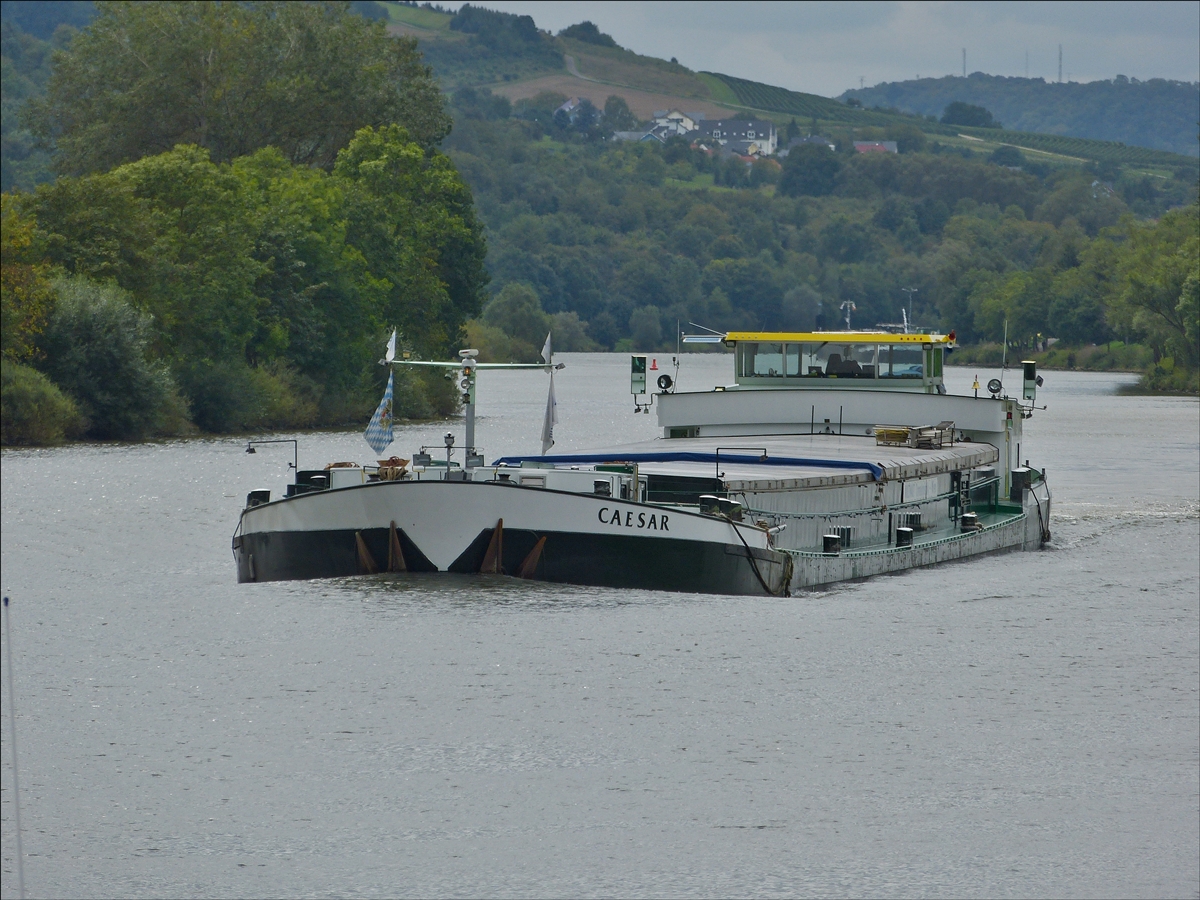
{"type": "Point", "coordinates": [901, 361]}
{"type": "Point", "coordinates": [762, 360]}
{"type": "Point", "coordinates": [837, 360]}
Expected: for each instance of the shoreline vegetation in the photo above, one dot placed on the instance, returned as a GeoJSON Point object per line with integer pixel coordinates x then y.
{"type": "Point", "coordinates": [184, 263]}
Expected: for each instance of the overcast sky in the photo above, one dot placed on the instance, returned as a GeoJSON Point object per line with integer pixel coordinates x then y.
{"type": "Point", "coordinates": [825, 47]}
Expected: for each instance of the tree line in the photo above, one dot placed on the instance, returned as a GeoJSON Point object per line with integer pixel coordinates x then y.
{"type": "Point", "coordinates": [250, 197]}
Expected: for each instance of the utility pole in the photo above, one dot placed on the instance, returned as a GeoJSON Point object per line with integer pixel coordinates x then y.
{"type": "Point", "coordinates": [1060, 63]}
{"type": "Point", "coordinates": [964, 62]}
{"type": "Point", "coordinates": [1026, 63]}
{"type": "Point", "coordinates": [860, 82]}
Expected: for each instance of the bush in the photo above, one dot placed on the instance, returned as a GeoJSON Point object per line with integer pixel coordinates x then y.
{"type": "Point", "coordinates": [229, 395]}
{"type": "Point", "coordinates": [95, 347]}
{"type": "Point", "coordinates": [32, 410]}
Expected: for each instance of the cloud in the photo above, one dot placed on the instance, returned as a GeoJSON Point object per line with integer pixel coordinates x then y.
{"type": "Point", "coordinates": [824, 48]}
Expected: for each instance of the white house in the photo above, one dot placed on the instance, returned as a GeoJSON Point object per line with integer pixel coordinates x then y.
{"type": "Point", "coordinates": [677, 121]}
{"type": "Point", "coordinates": [761, 131]}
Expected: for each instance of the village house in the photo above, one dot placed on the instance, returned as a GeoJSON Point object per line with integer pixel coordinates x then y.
{"type": "Point", "coordinates": [760, 131]}
{"type": "Point", "coordinates": [676, 121]}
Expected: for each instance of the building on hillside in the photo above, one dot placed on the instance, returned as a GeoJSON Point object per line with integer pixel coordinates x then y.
{"type": "Point", "coordinates": [724, 130]}
{"type": "Point", "coordinates": [876, 147]}
{"type": "Point", "coordinates": [676, 121]}
{"type": "Point", "coordinates": [744, 149]}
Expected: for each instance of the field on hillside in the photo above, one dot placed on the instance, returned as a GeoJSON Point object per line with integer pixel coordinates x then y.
{"type": "Point", "coordinates": [617, 66]}
{"type": "Point", "coordinates": [643, 104]}
{"type": "Point", "coordinates": [426, 19]}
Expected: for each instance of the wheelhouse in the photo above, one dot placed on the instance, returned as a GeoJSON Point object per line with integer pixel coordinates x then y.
{"type": "Point", "coordinates": [840, 359]}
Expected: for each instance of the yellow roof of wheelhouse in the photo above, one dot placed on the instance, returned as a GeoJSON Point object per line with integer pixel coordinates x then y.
{"type": "Point", "coordinates": [840, 337]}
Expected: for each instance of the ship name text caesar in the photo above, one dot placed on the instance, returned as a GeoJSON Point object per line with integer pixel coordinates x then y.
{"type": "Point", "coordinates": [633, 520]}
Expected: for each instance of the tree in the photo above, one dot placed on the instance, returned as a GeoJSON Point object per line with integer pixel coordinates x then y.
{"type": "Point", "coordinates": [1004, 155]}
{"type": "Point", "coordinates": [97, 347]}
{"type": "Point", "coordinates": [517, 311]}
{"type": "Point", "coordinates": [617, 114]}
{"type": "Point", "coordinates": [414, 220]}
{"type": "Point", "coordinates": [1158, 268]}
{"type": "Point", "coordinates": [959, 113]}
{"type": "Point", "coordinates": [25, 296]}
{"type": "Point", "coordinates": [645, 327]}
{"type": "Point", "coordinates": [810, 170]}
{"type": "Point", "coordinates": [231, 78]}
{"type": "Point", "coordinates": [908, 138]}
{"type": "Point", "coordinates": [588, 33]}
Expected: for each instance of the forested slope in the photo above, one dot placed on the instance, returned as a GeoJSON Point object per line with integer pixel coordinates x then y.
{"type": "Point", "coordinates": [633, 237]}
{"type": "Point", "coordinates": [1157, 113]}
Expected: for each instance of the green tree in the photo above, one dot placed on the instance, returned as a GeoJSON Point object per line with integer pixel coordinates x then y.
{"type": "Point", "coordinates": [97, 349]}
{"type": "Point", "coordinates": [25, 295]}
{"type": "Point", "coordinates": [413, 219]}
{"type": "Point", "coordinates": [1159, 269]}
{"type": "Point", "coordinates": [517, 311]}
{"type": "Point", "coordinates": [588, 33]}
{"type": "Point", "coordinates": [617, 115]}
{"type": "Point", "coordinates": [959, 113]}
{"type": "Point", "coordinates": [810, 170]}
{"type": "Point", "coordinates": [231, 78]}
{"type": "Point", "coordinates": [645, 327]}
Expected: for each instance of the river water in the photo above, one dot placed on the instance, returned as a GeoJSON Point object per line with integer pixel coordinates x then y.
{"type": "Point", "coordinates": [1019, 725]}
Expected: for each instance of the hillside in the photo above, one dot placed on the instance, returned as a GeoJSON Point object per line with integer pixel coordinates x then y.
{"type": "Point", "coordinates": [521, 62]}
{"type": "Point", "coordinates": [1157, 114]}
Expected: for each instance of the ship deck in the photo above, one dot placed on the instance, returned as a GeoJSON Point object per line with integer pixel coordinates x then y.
{"type": "Point", "coordinates": [779, 462]}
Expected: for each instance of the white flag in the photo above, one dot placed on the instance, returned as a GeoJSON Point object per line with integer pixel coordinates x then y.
{"type": "Point", "coordinates": [391, 348]}
{"type": "Point", "coordinates": [551, 416]}
{"type": "Point", "coordinates": [546, 352]}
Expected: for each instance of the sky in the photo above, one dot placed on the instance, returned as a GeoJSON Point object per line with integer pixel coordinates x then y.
{"type": "Point", "coordinates": [827, 47]}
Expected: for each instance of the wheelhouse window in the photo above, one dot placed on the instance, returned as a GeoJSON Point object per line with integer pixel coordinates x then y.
{"type": "Point", "coordinates": [901, 361]}
{"type": "Point", "coordinates": [830, 359]}
{"type": "Point", "coordinates": [761, 360]}
{"type": "Point", "coordinates": [837, 360]}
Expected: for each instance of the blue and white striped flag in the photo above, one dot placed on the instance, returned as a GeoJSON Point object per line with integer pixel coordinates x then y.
{"type": "Point", "coordinates": [379, 431]}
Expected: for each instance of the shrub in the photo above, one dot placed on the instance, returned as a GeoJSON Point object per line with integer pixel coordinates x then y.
{"type": "Point", "coordinates": [229, 395]}
{"type": "Point", "coordinates": [33, 411]}
{"type": "Point", "coordinates": [96, 347]}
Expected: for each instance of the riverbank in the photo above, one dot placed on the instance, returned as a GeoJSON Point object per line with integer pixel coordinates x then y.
{"type": "Point", "coordinates": [1161, 377]}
